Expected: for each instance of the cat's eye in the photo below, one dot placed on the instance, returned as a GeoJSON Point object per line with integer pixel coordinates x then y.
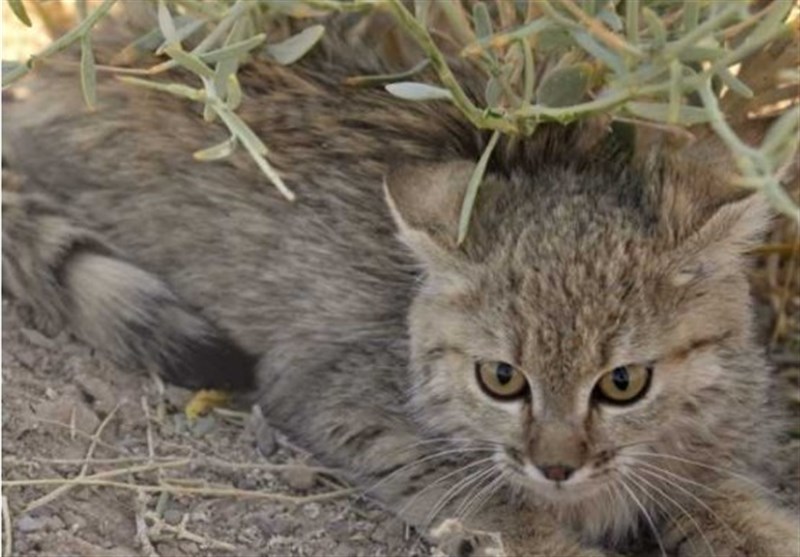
{"type": "Point", "coordinates": [500, 380]}
{"type": "Point", "coordinates": [623, 385]}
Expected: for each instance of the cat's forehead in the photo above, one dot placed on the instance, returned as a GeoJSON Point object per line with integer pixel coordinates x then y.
{"type": "Point", "coordinates": [561, 301]}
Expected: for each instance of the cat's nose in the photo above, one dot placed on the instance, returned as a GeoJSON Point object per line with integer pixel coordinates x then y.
{"type": "Point", "coordinates": [557, 472]}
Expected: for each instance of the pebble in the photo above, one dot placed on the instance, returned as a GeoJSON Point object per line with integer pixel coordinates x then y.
{"type": "Point", "coordinates": [173, 516]}
{"type": "Point", "coordinates": [300, 478]}
{"type": "Point", "coordinates": [27, 523]}
{"type": "Point", "coordinates": [311, 510]}
{"type": "Point", "coordinates": [190, 548]}
{"type": "Point", "coordinates": [36, 338]}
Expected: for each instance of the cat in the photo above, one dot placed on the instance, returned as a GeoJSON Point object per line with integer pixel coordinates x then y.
{"type": "Point", "coordinates": [581, 371]}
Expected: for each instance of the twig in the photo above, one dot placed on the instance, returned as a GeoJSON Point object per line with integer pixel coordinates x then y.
{"type": "Point", "coordinates": [12, 461]}
{"type": "Point", "coordinates": [8, 544]}
{"type": "Point", "coordinates": [171, 461]}
{"type": "Point", "coordinates": [79, 433]}
{"type": "Point", "coordinates": [593, 26]}
{"type": "Point", "coordinates": [212, 492]}
{"type": "Point", "coordinates": [182, 533]}
{"type": "Point", "coordinates": [142, 532]}
{"type": "Point", "coordinates": [78, 480]}
{"type": "Point", "coordinates": [84, 468]}
{"type": "Point", "coordinates": [423, 39]}
{"type": "Point", "coordinates": [150, 450]}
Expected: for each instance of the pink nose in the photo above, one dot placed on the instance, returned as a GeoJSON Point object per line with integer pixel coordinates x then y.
{"type": "Point", "coordinates": [557, 472]}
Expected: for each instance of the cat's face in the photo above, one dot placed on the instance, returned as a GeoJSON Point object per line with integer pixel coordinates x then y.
{"type": "Point", "coordinates": [577, 343]}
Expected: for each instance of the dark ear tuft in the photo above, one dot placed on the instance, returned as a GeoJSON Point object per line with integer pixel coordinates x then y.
{"type": "Point", "coordinates": [425, 201]}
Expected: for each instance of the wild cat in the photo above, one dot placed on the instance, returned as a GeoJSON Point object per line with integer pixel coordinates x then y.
{"type": "Point", "coordinates": [580, 371]}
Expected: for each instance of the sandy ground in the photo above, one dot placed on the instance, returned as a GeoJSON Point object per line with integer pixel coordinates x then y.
{"type": "Point", "coordinates": [57, 394]}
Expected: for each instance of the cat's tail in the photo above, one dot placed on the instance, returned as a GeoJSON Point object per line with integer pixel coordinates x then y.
{"type": "Point", "coordinates": [71, 276]}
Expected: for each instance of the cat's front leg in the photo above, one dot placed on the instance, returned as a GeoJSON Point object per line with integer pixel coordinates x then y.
{"type": "Point", "coordinates": [507, 531]}
{"type": "Point", "coordinates": [738, 521]}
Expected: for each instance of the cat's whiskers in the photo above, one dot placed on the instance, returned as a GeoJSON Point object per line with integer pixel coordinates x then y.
{"type": "Point", "coordinates": [664, 478]}
{"type": "Point", "coordinates": [477, 488]}
{"type": "Point", "coordinates": [451, 442]}
{"type": "Point", "coordinates": [642, 464]}
{"type": "Point", "coordinates": [621, 479]}
{"type": "Point", "coordinates": [460, 486]}
{"type": "Point", "coordinates": [728, 471]}
{"type": "Point", "coordinates": [423, 459]}
{"type": "Point", "coordinates": [639, 478]}
{"type": "Point", "coordinates": [450, 474]}
{"type": "Point", "coordinates": [483, 496]}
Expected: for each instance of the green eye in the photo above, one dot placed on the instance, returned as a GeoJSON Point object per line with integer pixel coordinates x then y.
{"type": "Point", "coordinates": [623, 385]}
{"type": "Point", "coordinates": [500, 380]}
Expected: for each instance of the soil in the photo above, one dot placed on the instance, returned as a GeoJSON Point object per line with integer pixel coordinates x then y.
{"type": "Point", "coordinates": [57, 393]}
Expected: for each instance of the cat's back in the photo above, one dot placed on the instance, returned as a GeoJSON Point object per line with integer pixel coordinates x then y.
{"type": "Point", "coordinates": [219, 231]}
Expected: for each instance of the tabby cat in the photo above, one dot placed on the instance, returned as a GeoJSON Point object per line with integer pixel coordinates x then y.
{"type": "Point", "coordinates": [580, 372]}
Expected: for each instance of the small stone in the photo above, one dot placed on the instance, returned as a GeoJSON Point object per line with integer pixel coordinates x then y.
{"type": "Point", "coordinates": [36, 338]}
{"type": "Point", "coordinates": [190, 548]}
{"type": "Point", "coordinates": [203, 425]}
{"type": "Point", "coordinates": [272, 526]}
{"type": "Point", "coordinates": [50, 393]}
{"type": "Point", "coordinates": [311, 510]}
{"type": "Point", "coordinates": [27, 523]}
{"type": "Point", "coordinates": [54, 523]}
{"type": "Point", "coordinates": [173, 516]}
{"type": "Point", "coordinates": [300, 478]}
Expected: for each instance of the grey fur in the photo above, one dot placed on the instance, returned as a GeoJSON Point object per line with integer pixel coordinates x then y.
{"type": "Point", "coordinates": [578, 260]}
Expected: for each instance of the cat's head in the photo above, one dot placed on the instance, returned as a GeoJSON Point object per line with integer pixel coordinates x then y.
{"type": "Point", "coordinates": [595, 315]}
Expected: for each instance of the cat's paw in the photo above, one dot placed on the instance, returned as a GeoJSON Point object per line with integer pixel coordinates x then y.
{"type": "Point", "coordinates": [453, 539]}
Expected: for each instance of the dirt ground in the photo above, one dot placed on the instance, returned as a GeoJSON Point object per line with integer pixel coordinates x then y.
{"type": "Point", "coordinates": [57, 394]}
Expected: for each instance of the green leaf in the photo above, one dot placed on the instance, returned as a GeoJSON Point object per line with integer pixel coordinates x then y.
{"type": "Point", "coordinates": [483, 27]}
{"type": "Point", "coordinates": [473, 186]}
{"type": "Point", "coordinates": [190, 61]}
{"type": "Point", "coordinates": [413, 91]}
{"type": "Point", "coordinates": [19, 10]}
{"type": "Point", "coordinates": [88, 72]}
{"type": "Point", "coordinates": [660, 112]}
{"type": "Point", "coordinates": [237, 126]}
{"type": "Point", "coordinates": [564, 86]}
{"type": "Point", "coordinates": [166, 24]}
{"type": "Point", "coordinates": [218, 151]}
{"type": "Point", "coordinates": [233, 50]}
{"type": "Point", "coordinates": [734, 83]}
{"type": "Point", "coordinates": [184, 32]}
{"type": "Point", "coordinates": [177, 89]}
{"type": "Point", "coordinates": [529, 72]}
{"type": "Point", "coordinates": [494, 91]}
{"type": "Point", "coordinates": [359, 80]}
{"type": "Point", "coordinates": [234, 98]}
{"type": "Point", "coordinates": [610, 18]}
{"type": "Point", "coordinates": [421, 10]}
{"type": "Point", "coordinates": [296, 46]}
{"type": "Point", "coordinates": [656, 26]}
{"type": "Point", "coordinates": [482, 19]}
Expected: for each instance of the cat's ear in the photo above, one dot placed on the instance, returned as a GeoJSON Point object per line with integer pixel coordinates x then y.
{"type": "Point", "coordinates": [425, 201]}
{"type": "Point", "coordinates": [719, 245]}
